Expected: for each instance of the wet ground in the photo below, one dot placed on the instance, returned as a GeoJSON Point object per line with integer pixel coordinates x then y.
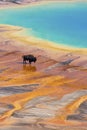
{"type": "Point", "coordinates": [50, 94]}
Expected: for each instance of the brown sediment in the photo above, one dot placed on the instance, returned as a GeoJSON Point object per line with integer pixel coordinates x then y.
{"type": "Point", "coordinates": [18, 100]}
{"type": "Point", "coordinates": [53, 78]}
{"type": "Point", "coordinates": [69, 110]}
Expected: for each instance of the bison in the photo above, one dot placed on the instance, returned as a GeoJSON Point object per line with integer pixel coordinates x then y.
{"type": "Point", "coordinates": [29, 58]}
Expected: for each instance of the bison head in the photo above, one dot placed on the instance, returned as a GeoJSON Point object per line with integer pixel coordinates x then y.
{"type": "Point", "coordinates": [35, 59]}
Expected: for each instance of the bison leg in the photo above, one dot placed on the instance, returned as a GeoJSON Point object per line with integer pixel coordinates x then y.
{"type": "Point", "coordinates": [29, 62]}
{"type": "Point", "coordinates": [24, 61]}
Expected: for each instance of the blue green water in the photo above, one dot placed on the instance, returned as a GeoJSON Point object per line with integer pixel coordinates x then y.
{"type": "Point", "coordinates": [64, 23]}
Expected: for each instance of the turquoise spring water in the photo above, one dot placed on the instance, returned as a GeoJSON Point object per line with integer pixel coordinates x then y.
{"type": "Point", "coordinates": [64, 23]}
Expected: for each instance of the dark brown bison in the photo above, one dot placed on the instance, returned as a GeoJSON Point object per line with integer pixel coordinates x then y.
{"type": "Point", "coordinates": [29, 58]}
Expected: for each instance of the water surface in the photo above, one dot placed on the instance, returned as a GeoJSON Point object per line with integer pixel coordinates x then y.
{"type": "Point", "coordinates": [64, 23]}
